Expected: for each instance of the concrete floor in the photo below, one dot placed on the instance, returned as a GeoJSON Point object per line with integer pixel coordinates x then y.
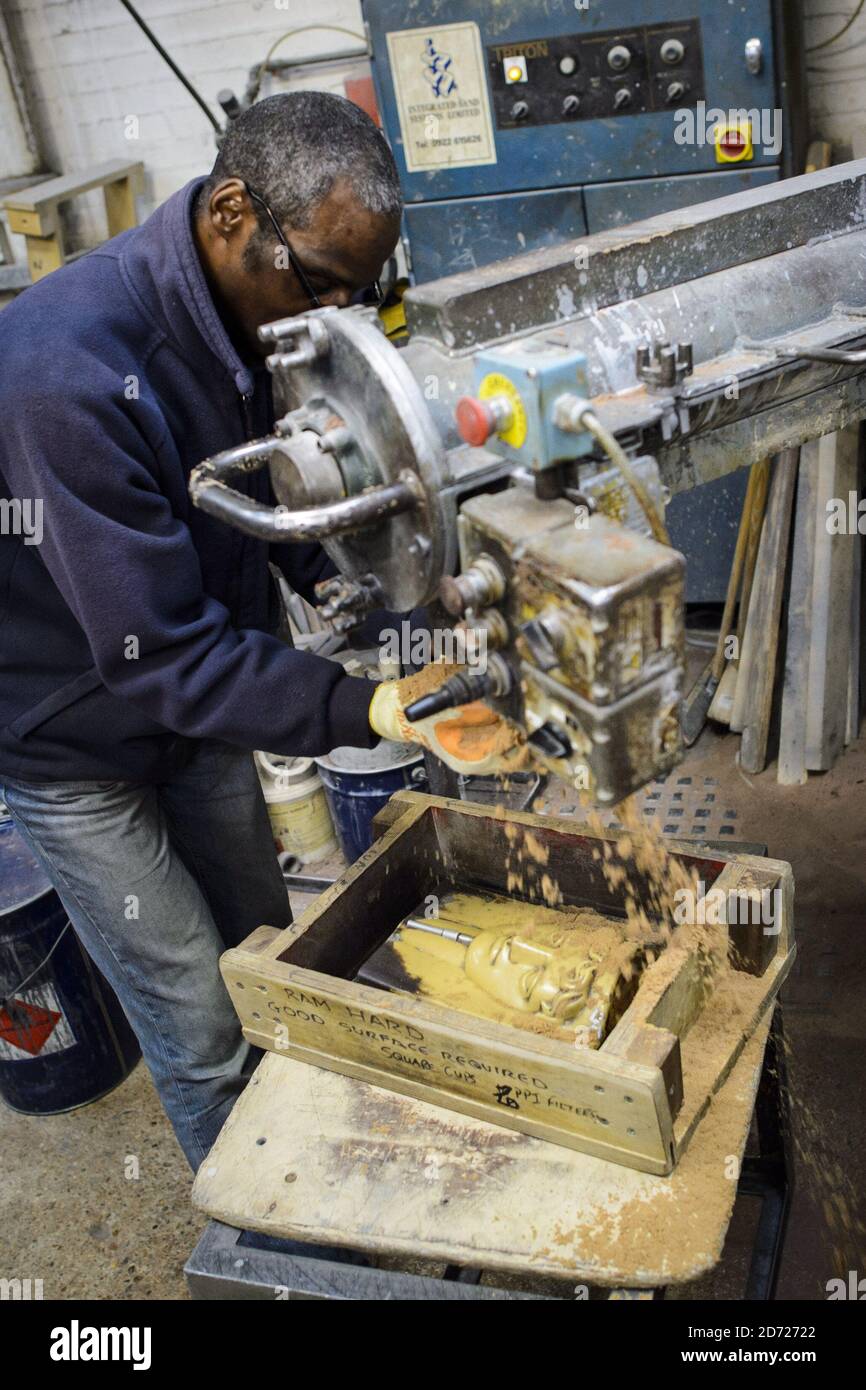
{"type": "Point", "coordinates": [70, 1216]}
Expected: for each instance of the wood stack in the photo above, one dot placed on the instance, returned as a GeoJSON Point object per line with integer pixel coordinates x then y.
{"type": "Point", "coordinates": [795, 667]}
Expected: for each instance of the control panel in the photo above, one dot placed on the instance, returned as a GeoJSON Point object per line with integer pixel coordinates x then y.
{"type": "Point", "coordinates": [584, 77]}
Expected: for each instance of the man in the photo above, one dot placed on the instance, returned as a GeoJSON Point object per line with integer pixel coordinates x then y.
{"type": "Point", "coordinates": [139, 669]}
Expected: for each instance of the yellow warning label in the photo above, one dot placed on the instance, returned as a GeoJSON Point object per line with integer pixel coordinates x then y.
{"type": "Point", "coordinates": [495, 384]}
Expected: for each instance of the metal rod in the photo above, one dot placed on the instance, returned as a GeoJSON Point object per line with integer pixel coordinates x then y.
{"type": "Point", "coordinates": [149, 34]}
{"type": "Point", "coordinates": [449, 933]}
{"type": "Point", "coordinates": [306, 883]}
{"type": "Point", "coordinates": [210, 492]}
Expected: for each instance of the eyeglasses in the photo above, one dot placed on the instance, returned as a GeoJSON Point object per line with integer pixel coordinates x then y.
{"type": "Point", "coordinates": [373, 295]}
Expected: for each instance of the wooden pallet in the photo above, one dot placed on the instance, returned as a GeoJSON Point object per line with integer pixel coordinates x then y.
{"type": "Point", "coordinates": [295, 991]}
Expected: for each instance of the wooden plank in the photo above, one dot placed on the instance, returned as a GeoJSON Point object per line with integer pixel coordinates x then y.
{"type": "Point", "coordinates": [42, 198]}
{"type": "Point", "coordinates": [723, 700]}
{"type": "Point", "coordinates": [765, 612]}
{"type": "Point", "coordinates": [714, 1047]}
{"type": "Point", "coordinates": [761, 476]}
{"type": "Point", "coordinates": [795, 691]}
{"type": "Point", "coordinates": [827, 713]}
{"type": "Point", "coordinates": [350, 1164]}
{"type": "Point", "coordinates": [44, 254]}
{"type": "Point", "coordinates": [852, 729]}
{"type": "Point", "coordinates": [725, 705]}
{"type": "Point", "coordinates": [119, 199]}
{"type": "Point", "coordinates": [295, 992]}
{"type": "Point", "coordinates": [533, 1084]}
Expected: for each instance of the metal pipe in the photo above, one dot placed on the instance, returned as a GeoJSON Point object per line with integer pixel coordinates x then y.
{"type": "Point", "coordinates": [166, 57]}
{"type": "Point", "coordinates": [449, 933]}
{"type": "Point", "coordinates": [852, 358]}
{"type": "Point", "coordinates": [308, 523]}
{"type": "Point", "coordinates": [209, 490]}
{"type": "Point", "coordinates": [575, 414]}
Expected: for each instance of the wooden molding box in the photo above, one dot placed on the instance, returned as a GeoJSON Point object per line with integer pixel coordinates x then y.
{"type": "Point", "coordinates": [635, 1101]}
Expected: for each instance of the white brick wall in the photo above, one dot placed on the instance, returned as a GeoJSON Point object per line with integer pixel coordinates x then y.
{"type": "Point", "coordinates": [88, 67]}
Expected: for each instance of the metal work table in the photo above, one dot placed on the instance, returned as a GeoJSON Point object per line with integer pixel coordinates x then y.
{"type": "Point", "coordinates": [357, 1174]}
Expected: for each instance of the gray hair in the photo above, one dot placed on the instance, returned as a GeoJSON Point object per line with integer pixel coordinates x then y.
{"type": "Point", "coordinates": [292, 149]}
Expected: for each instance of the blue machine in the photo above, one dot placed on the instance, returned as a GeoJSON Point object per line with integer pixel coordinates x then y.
{"type": "Point", "coordinates": [521, 123]}
{"type": "Point", "coordinates": [518, 124]}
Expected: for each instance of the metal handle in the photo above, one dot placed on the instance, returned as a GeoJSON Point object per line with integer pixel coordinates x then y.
{"type": "Point", "coordinates": [209, 490]}
{"type": "Point", "coordinates": [847, 358]}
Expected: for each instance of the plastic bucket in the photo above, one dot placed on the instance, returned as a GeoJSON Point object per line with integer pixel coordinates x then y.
{"type": "Point", "coordinates": [64, 1039]}
{"type": "Point", "coordinates": [358, 782]}
{"type": "Point", "coordinates": [300, 820]}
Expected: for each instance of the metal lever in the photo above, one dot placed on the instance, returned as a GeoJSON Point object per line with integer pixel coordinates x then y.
{"type": "Point", "coordinates": [209, 490]}
{"type": "Point", "coordinates": [847, 358]}
{"type": "Point", "coordinates": [462, 689]}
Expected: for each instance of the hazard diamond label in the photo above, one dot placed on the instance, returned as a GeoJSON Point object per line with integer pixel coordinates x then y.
{"type": "Point", "coordinates": [32, 1024]}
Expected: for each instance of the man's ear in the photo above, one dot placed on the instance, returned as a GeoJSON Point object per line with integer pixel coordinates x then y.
{"type": "Point", "coordinates": [229, 208]}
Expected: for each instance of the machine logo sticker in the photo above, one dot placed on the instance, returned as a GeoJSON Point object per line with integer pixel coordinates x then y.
{"type": "Point", "coordinates": [440, 88]}
{"type": "Point", "coordinates": [437, 69]}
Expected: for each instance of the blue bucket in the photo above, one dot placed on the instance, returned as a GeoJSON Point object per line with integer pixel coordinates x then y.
{"type": "Point", "coordinates": [64, 1039]}
{"type": "Point", "coordinates": [359, 781]}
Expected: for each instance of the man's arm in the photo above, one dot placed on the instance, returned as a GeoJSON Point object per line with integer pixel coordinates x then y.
{"type": "Point", "coordinates": [130, 573]}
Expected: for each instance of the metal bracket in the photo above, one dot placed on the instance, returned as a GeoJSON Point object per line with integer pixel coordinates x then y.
{"type": "Point", "coordinates": [308, 332]}
{"type": "Point", "coordinates": [664, 366]}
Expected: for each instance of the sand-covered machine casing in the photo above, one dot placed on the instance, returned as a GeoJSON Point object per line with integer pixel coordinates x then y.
{"type": "Point", "coordinates": [629, 1102]}
{"type": "Point", "coordinates": [594, 613]}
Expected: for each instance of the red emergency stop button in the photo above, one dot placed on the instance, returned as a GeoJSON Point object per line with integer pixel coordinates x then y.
{"type": "Point", "coordinates": [733, 143]}
{"type": "Point", "coordinates": [475, 420]}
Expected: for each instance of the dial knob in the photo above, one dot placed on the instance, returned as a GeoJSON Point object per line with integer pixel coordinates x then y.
{"type": "Point", "coordinates": [571, 105]}
{"type": "Point", "coordinates": [619, 57]}
{"type": "Point", "coordinates": [672, 52]}
{"type": "Point", "coordinates": [676, 91]}
{"type": "Point", "coordinates": [520, 110]}
{"type": "Point", "coordinates": [622, 99]}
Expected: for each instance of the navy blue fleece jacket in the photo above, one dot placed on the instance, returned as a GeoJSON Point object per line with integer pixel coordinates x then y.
{"type": "Point", "coordinates": [138, 623]}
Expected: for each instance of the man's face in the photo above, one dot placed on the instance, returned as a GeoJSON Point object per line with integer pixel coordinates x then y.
{"type": "Point", "coordinates": [341, 251]}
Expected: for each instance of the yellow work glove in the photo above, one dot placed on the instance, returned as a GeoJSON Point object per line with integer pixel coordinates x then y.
{"type": "Point", "coordinates": [472, 739]}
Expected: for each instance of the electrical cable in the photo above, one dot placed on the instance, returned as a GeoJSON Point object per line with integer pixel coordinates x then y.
{"type": "Point", "coordinates": [255, 85]}
{"type": "Point", "coordinates": [617, 455]}
{"type": "Point", "coordinates": [7, 999]}
{"type": "Point", "coordinates": [149, 34]}
{"type": "Point", "coordinates": [825, 43]}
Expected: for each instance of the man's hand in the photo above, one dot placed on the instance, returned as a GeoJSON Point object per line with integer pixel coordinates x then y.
{"type": "Point", "coordinates": [472, 739]}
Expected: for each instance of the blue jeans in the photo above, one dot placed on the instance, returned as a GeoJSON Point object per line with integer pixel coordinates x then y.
{"type": "Point", "coordinates": [158, 881]}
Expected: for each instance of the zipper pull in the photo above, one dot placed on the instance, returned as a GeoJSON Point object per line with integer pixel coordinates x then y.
{"type": "Point", "coordinates": [248, 414]}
